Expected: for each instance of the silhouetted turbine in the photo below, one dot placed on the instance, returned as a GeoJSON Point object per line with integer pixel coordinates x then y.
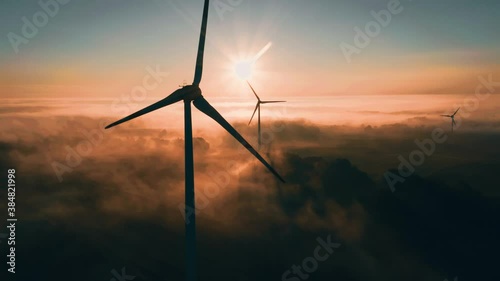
{"type": "Point", "coordinates": [452, 119]}
{"type": "Point", "coordinates": [188, 94]}
{"type": "Point", "coordinates": [257, 107]}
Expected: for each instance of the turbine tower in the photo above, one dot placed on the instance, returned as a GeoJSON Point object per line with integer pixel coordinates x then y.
{"type": "Point", "coordinates": [188, 94]}
{"type": "Point", "coordinates": [452, 119]}
{"type": "Point", "coordinates": [257, 108]}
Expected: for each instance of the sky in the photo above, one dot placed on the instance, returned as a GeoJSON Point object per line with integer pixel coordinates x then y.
{"type": "Point", "coordinates": [369, 162]}
{"type": "Point", "coordinates": [102, 48]}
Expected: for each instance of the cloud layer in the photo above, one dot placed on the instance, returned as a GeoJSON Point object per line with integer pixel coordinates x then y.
{"type": "Point", "coordinates": [112, 200]}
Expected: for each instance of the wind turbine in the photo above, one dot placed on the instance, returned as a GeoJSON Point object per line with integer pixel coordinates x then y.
{"type": "Point", "coordinates": [257, 107]}
{"type": "Point", "coordinates": [452, 119]}
{"type": "Point", "coordinates": [188, 94]}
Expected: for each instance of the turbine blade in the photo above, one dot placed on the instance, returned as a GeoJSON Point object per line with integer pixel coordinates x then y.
{"type": "Point", "coordinates": [454, 123]}
{"type": "Point", "coordinates": [446, 115]}
{"type": "Point", "coordinates": [173, 98]}
{"type": "Point", "coordinates": [456, 111]}
{"type": "Point", "coordinates": [273, 101]}
{"type": "Point", "coordinates": [253, 91]}
{"type": "Point", "coordinates": [256, 107]}
{"type": "Point", "coordinates": [201, 46]}
{"type": "Point", "coordinates": [202, 104]}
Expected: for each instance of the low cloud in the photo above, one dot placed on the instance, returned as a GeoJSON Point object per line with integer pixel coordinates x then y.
{"type": "Point", "coordinates": [120, 205]}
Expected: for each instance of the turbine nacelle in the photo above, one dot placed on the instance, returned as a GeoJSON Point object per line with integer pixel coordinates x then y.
{"type": "Point", "coordinates": [190, 92]}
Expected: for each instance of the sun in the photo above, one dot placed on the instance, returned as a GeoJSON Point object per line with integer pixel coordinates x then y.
{"type": "Point", "coordinates": [244, 65]}
{"type": "Point", "coordinates": [244, 69]}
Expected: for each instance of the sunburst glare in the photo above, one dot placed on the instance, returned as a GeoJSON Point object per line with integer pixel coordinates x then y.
{"type": "Point", "coordinates": [244, 69]}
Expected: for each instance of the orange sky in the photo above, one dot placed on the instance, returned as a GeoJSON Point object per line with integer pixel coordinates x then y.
{"type": "Point", "coordinates": [112, 58]}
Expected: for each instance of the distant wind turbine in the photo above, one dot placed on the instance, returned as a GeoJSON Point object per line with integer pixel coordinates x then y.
{"type": "Point", "coordinates": [257, 107]}
{"type": "Point", "coordinates": [452, 119]}
{"type": "Point", "coordinates": [188, 94]}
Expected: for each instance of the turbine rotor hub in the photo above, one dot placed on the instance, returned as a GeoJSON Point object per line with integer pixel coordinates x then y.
{"type": "Point", "coordinates": [191, 92]}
